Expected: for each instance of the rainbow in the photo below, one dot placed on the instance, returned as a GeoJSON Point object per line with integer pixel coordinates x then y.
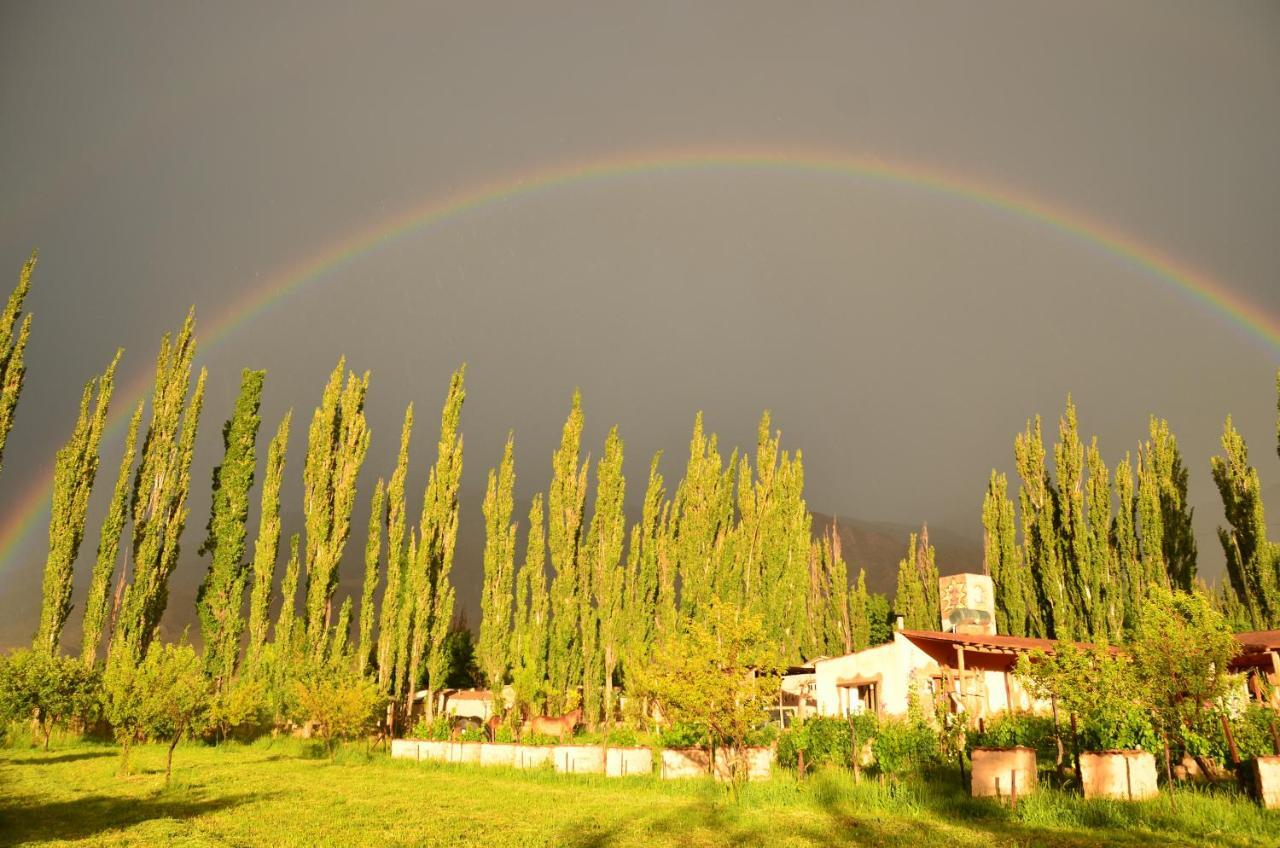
{"type": "Point", "coordinates": [1194, 283]}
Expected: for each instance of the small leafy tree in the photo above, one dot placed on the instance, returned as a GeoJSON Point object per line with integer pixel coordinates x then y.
{"type": "Point", "coordinates": [721, 672]}
{"type": "Point", "coordinates": [164, 697]}
{"type": "Point", "coordinates": [342, 703]}
{"type": "Point", "coordinates": [241, 702]}
{"type": "Point", "coordinates": [46, 688]}
{"type": "Point", "coordinates": [1181, 649]}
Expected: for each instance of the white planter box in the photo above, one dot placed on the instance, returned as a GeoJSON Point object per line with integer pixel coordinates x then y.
{"type": "Point", "coordinates": [1123, 775]}
{"type": "Point", "coordinates": [579, 759]}
{"type": "Point", "coordinates": [997, 771]}
{"type": "Point", "coordinates": [624, 762]}
{"type": "Point", "coordinates": [464, 752]}
{"type": "Point", "coordinates": [1266, 781]}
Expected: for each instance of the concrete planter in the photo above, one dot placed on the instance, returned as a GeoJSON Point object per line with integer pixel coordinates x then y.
{"type": "Point", "coordinates": [579, 759]}
{"type": "Point", "coordinates": [759, 763]}
{"type": "Point", "coordinates": [464, 752]}
{"type": "Point", "coordinates": [532, 756]}
{"type": "Point", "coordinates": [623, 762]}
{"type": "Point", "coordinates": [497, 753]}
{"type": "Point", "coordinates": [1122, 775]}
{"type": "Point", "coordinates": [434, 750]}
{"type": "Point", "coordinates": [677, 763]}
{"type": "Point", "coordinates": [404, 749]}
{"type": "Point", "coordinates": [998, 771]}
{"type": "Point", "coordinates": [1266, 781]}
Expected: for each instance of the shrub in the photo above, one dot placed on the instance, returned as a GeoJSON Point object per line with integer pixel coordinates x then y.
{"type": "Point", "coordinates": [539, 739]}
{"type": "Point", "coordinates": [54, 689]}
{"type": "Point", "coordinates": [342, 702]}
{"type": "Point", "coordinates": [825, 740]}
{"type": "Point", "coordinates": [683, 735]}
{"type": "Point", "coordinates": [1017, 730]}
{"type": "Point", "coordinates": [904, 746]}
{"type": "Point", "coordinates": [1118, 726]}
{"type": "Point", "coordinates": [504, 734]}
{"type": "Point", "coordinates": [437, 730]}
{"type": "Point", "coordinates": [622, 737]}
{"type": "Point", "coordinates": [473, 734]}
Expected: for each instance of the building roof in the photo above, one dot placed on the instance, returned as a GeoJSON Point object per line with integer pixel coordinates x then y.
{"type": "Point", "coordinates": [1259, 640]}
{"type": "Point", "coordinates": [983, 642]}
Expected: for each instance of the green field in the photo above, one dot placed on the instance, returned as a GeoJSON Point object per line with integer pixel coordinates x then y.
{"type": "Point", "coordinates": [284, 794]}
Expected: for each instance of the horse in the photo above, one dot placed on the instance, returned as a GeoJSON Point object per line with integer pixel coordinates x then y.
{"type": "Point", "coordinates": [491, 727]}
{"type": "Point", "coordinates": [560, 726]}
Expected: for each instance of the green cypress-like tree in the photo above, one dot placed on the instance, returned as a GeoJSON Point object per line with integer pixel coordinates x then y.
{"type": "Point", "coordinates": [1050, 617]}
{"type": "Point", "coordinates": [13, 367]}
{"type": "Point", "coordinates": [220, 598]}
{"type": "Point", "coordinates": [160, 491]}
{"type": "Point", "coordinates": [285, 620]}
{"type": "Point", "coordinates": [838, 636]}
{"type": "Point", "coordinates": [642, 584]}
{"type": "Point", "coordinates": [494, 651]}
{"type": "Point", "coordinates": [432, 590]}
{"type": "Point", "coordinates": [73, 476]}
{"type": "Point", "coordinates": [1177, 536]}
{"type": "Point", "coordinates": [336, 448]}
{"type": "Point", "coordinates": [395, 610]}
{"type": "Point", "coordinates": [703, 517]}
{"type": "Point", "coordinates": [565, 505]}
{"type": "Point", "coordinates": [1104, 603]}
{"type": "Point", "coordinates": [916, 599]}
{"type": "Point", "coordinates": [1002, 560]}
{"type": "Point", "coordinates": [1251, 560]}
{"type": "Point", "coordinates": [267, 546]}
{"type": "Point", "coordinates": [95, 608]}
{"type": "Point", "coordinates": [1070, 525]}
{"type": "Point", "coordinates": [1150, 522]}
{"type": "Point", "coordinates": [603, 560]}
{"type": "Point", "coordinates": [372, 555]}
{"type": "Point", "coordinates": [860, 614]}
{"type": "Point", "coordinates": [1124, 543]}
{"type": "Point", "coordinates": [533, 608]}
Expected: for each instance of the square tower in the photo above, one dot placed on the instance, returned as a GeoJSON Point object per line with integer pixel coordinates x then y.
{"type": "Point", "coordinates": [968, 604]}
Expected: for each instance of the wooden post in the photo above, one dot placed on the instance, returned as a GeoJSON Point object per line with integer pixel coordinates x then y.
{"type": "Point", "coordinates": [1231, 740]}
{"type": "Point", "coordinates": [800, 763]}
{"type": "Point", "coordinates": [1075, 749]}
{"type": "Point", "coordinates": [1275, 738]}
{"type": "Point", "coordinates": [1057, 733]}
{"type": "Point", "coordinates": [1013, 789]}
{"type": "Point", "coordinates": [964, 690]}
{"type": "Point", "coordinates": [1008, 692]}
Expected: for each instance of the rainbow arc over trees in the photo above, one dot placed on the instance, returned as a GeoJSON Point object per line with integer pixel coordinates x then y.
{"type": "Point", "coordinates": [1193, 283]}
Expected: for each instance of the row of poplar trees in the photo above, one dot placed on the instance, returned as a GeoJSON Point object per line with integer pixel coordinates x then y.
{"type": "Point", "coordinates": [575, 622]}
{"type": "Point", "coordinates": [568, 632]}
{"type": "Point", "coordinates": [1078, 555]}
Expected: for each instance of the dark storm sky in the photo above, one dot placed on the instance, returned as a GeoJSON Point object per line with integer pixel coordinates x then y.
{"type": "Point", "coordinates": [169, 154]}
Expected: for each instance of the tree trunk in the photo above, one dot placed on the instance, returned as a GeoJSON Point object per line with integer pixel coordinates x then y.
{"type": "Point", "coordinates": [168, 762]}
{"type": "Point", "coordinates": [1168, 771]}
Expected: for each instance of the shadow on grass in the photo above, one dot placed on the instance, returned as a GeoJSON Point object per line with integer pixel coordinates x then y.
{"type": "Point", "coordinates": [53, 759]}
{"type": "Point", "coordinates": [88, 816]}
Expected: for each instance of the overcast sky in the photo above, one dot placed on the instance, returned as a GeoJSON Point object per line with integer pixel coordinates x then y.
{"type": "Point", "coordinates": [169, 154]}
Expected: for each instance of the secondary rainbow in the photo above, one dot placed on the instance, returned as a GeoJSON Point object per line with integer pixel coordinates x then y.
{"type": "Point", "coordinates": [1194, 283]}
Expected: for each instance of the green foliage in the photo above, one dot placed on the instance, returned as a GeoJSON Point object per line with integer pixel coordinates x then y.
{"type": "Point", "coordinates": [336, 446]}
{"type": "Point", "coordinates": [395, 611]}
{"type": "Point", "coordinates": [221, 595]}
{"type": "Point", "coordinates": [340, 700]}
{"type": "Point", "coordinates": [13, 368]}
{"type": "Point", "coordinates": [504, 734]}
{"type": "Point", "coordinates": [565, 504]}
{"type": "Point", "coordinates": [95, 608]}
{"type": "Point", "coordinates": [160, 489]}
{"type": "Point", "coordinates": [49, 688]}
{"type": "Point", "coordinates": [532, 617]}
{"type": "Point", "coordinates": [683, 734]}
{"type": "Point", "coordinates": [372, 554]}
{"type": "Point", "coordinates": [916, 599]}
{"type": "Point", "coordinates": [241, 703]}
{"type": "Point", "coordinates": [825, 741]}
{"type": "Point", "coordinates": [903, 746]}
{"type": "Point", "coordinates": [494, 651]}
{"type": "Point", "coordinates": [1016, 730]}
{"type": "Point", "coordinates": [1175, 685]}
{"type": "Point", "coordinates": [473, 734]}
{"type": "Point", "coordinates": [162, 698]}
{"type": "Point", "coordinates": [267, 545]}
{"type": "Point", "coordinates": [74, 471]}
{"type": "Point", "coordinates": [1253, 562]}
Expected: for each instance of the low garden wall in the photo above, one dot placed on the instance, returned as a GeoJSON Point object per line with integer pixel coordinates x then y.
{"type": "Point", "coordinates": [1125, 775]}
{"type": "Point", "coordinates": [673, 763]}
{"type": "Point", "coordinates": [996, 771]}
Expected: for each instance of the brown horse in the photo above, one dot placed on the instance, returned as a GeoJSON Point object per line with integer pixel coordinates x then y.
{"type": "Point", "coordinates": [560, 726]}
{"type": "Point", "coordinates": [491, 727]}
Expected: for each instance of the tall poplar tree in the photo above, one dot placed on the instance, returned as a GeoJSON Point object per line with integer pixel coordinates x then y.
{"type": "Point", "coordinates": [1002, 559]}
{"type": "Point", "coordinates": [284, 636]}
{"type": "Point", "coordinates": [916, 599]}
{"type": "Point", "coordinates": [1251, 559]}
{"type": "Point", "coordinates": [95, 608]}
{"type": "Point", "coordinates": [1071, 528]}
{"type": "Point", "coordinates": [494, 651]}
{"type": "Point", "coordinates": [432, 589]}
{"type": "Point", "coordinates": [395, 610]}
{"type": "Point", "coordinates": [643, 586]}
{"type": "Point", "coordinates": [160, 491]}
{"type": "Point", "coordinates": [336, 448]}
{"type": "Point", "coordinates": [1050, 615]}
{"type": "Point", "coordinates": [1099, 583]}
{"type": "Point", "coordinates": [267, 546]}
{"type": "Point", "coordinates": [73, 476]}
{"type": "Point", "coordinates": [603, 561]}
{"type": "Point", "coordinates": [1178, 538]}
{"type": "Point", "coordinates": [532, 614]}
{"type": "Point", "coordinates": [565, 505]}
{"type": "Point", "coordinates": [703, 517]}
{"type": "Point", "coordinates": [1124, 545]}
{"type": "Point", "coordinates": [13, 368]}
{"type": "Point", "coordinates": [372, 555]}
{"type": "Point", "coordinates": [860, 614]}
{"type": "Point", "coordinates": [220, 598]}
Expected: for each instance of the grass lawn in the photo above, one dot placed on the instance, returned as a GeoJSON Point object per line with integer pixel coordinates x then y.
{"type": "Point", "coordinates": [281, 794]}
